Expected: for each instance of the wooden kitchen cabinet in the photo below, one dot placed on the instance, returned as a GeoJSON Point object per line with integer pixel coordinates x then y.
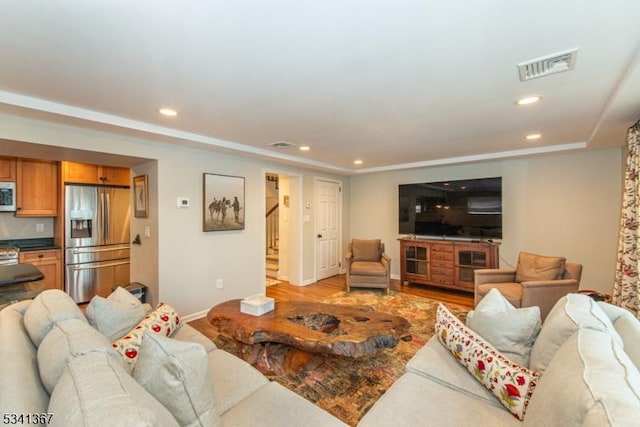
{"type": "Point", "coordinates": [447, 264]}
{"type": "Point", "coordinates": [49, 262]}
{"type": "Point", "coordinates": [7, 169]}
{"type": "Point", "coordinates": [36, 188]}
{"type": "Point", "coordinates": [84, 173]}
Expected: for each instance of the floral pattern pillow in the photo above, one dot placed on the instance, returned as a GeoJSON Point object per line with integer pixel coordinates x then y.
{"type": "Point", "coordinates": [512, 384]}
{"type": "Point", "coordinates": [164, 320]}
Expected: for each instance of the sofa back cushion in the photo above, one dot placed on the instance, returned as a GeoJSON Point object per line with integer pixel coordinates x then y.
{"type": "Point", "coordinates": [366, 250]}
{"type": "Point", "coordinates": [47, 309]}
{"type": "Point", "coordinates": [571, 312]}
{"type": "Point", "coordinates": [95, 390]}
{"type": "Point", "coordinates": [589, 382]}
{"type": "Point", "coordinates": [539, 267]}
{"type": "Point", "coordinates": [67, 340]}
{"type": "Point", "coordinates": [628, 327]}
{"type": "Point", "coordinates": [21, 391]}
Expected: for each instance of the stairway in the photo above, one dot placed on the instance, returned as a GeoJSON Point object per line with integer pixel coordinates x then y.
{"type": "Point", "coordinates": [272, 263]}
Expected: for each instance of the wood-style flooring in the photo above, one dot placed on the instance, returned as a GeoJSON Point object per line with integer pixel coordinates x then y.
{"type": "Point", "coordinates": [323, 288]}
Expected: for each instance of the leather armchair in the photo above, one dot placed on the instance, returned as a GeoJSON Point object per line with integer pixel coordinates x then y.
{"type": "Point", "coordinates": [367, 265]}
{"type": "Point", "coordinates": [527, 293]}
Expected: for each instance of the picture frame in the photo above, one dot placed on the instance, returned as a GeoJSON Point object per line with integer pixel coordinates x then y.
{"type": "Point", "coordinates": [222, 202]}
{"type": "Point", "coordinates": [141, 196]}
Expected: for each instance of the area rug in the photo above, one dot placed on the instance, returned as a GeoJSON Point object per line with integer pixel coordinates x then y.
{"type": "Point", "coordinates": [348, 387]}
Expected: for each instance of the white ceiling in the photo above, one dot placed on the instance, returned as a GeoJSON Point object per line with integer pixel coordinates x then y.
{"type": "Point", "coordinates": [395, 83]}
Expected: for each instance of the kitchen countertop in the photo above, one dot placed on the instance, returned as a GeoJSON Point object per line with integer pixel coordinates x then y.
{"type": "Point", "coordinates": [18, 274]}
{"type": "Point", "coordinates": [26, 245]}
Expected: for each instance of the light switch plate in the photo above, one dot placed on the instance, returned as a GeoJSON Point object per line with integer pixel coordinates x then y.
{"type": "Point", "coordinates": [183, 202]}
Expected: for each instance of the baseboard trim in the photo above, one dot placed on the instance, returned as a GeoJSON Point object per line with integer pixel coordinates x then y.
{"type": "Point", "coordinates": [194, 316]}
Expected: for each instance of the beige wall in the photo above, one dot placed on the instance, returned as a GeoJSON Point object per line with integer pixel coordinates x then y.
{"type": "Point", "coordinates": [565, 204]}
{"type": "Point", "coordinates": [180, 262]}
{"type": "Point", "coordinates": [24, 228]}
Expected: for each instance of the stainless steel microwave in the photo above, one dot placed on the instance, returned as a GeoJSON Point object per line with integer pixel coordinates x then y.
{"type": "Point", "coordinates": [7, 196]}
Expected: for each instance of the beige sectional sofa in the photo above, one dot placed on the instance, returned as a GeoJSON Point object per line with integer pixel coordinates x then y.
{"type": "Point", "coordinates": [94, 388]}
{"type": "Point", "coordinates": [587, 354]}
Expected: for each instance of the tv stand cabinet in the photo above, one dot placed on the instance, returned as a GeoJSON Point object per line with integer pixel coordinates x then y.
{"type": "Point", "coordinates": [444, 263]}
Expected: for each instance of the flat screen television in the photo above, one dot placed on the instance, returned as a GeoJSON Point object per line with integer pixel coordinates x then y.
{"type": "Point", "coordinates": [467, 209]}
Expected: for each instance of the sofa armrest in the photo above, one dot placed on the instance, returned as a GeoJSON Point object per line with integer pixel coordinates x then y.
{"type": "Point", "coordinates": [494, 275]}
{"type": "Point", "coordinates": [386, 261]}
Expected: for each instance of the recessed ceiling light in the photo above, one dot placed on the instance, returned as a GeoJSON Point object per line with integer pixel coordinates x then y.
{"type": "Point", "coordinates": [168, 112]}
{"type": "Point", "coordinates": [528, 100]}
{"type": "Point", "coordinates": [305, 148]}
{"type": "Point", "coordinates": [533, 136]}
{"type": "Point", "coordinates": [357, 162]}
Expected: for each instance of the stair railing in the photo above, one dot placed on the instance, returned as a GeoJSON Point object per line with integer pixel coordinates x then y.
{"type": "Point", "coordinates": [272, 227]}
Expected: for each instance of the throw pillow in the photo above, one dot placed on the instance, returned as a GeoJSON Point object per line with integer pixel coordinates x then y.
{"type": "Point", "coordinates": [513, 385]}
{"type": "Point", "coordinates": [115, 315]}
{"type": "Point", "coordinates": [67, 340]}
{"type": "Point", "coordinates": [570, 313]}
{"type": "Point", "coordinates": [47, 309]}
{"type": "Point", "coordinates": [163, 320]}
{"type": "Point", "coordinates": [512, 331]}
{"type": "Point", "coordinates": [94, 390]}
{"type": "Point", "coordinates": [177, 374]}
{"type": "Point", "coordinates": [538, 267]}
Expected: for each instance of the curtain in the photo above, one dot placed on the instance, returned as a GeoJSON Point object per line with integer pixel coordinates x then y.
{"type": "Point", "coordinates": [626, 288]}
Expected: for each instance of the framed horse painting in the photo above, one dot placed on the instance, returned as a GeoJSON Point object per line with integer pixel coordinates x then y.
{"type": "Point", "coordinates": [223, 202]}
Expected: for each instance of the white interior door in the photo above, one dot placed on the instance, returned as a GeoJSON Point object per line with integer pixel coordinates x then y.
{"type": "Point", "coordinates": [328, 227]}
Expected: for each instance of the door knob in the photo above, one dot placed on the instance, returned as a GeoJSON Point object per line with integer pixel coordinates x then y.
{"type": "Point", "coordinates": [319, 236]}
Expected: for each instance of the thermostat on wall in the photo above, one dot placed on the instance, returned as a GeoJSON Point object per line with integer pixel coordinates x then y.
{"type": "Point", "coordinates": [183, 202]}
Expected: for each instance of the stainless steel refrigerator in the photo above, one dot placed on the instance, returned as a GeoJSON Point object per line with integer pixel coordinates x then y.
{"type": "Point", "coordinates": [96, 240]}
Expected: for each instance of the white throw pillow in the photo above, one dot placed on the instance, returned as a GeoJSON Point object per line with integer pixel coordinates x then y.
{"type": "Point", "coordinates": [512, 331]}
{"type": "Point", "coordinates": [177, 374]}
{"type": "Point", "coordinates": [115, 315]}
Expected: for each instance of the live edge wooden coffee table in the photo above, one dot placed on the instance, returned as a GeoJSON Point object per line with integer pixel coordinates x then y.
{"type": "Point", "coordinates": [296, 334]}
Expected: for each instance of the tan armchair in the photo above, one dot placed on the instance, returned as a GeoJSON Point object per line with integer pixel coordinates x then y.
{"type": "Point", "coordinates": [367, 265]}
{"type": "Point", "coordinates": [537, 281]}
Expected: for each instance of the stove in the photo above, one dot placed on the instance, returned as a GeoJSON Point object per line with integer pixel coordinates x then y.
{"type": "Point", "coordinates": [9, 255]}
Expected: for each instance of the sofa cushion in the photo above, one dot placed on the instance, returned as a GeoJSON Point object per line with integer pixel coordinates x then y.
{"type": "Point", "coordinates": [48, 308]}
{"type": "Point", "coordinates": [413, 400]}
{"type": "Point", "coordinates": [163, 320]}
{"type": "Point", "coordinates": [68, 339]}
{"type": "Point", "coordinates": [434, 361]}
{"type": "Point", "coordinates": [511, 331]}
{"type": "Point", "coordinates": [570, 313]}
{"type": "Point", "coordinates": [539, 267]}
{"type": "Point", "coordinates": [589, 382]}
{"type": "Point", "coordinates": [366, 250]}
{"type": "Point", "coordinates": [275, 406]}
{"type": "Point", "coordinates": [21, 391]}
{"type": "Point", "coordinates": [94, 390]}
{"type": "Point", "coordinates": [510, 383]}
{"type": "Point", "coordinates": [628, 327]}
{"type": "Point", "coordinates": [234, 378]}
{"type": "Point", "coordinates": [368, 268]}
{"type": "Point", "coordinates": [187, 332]}
{"type": "Point", "coordinates": [177, 374]}
{"type": "Point", "coordinates": [115, 315]}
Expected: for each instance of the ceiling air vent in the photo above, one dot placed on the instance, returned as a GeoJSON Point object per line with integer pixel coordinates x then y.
{"type": "Point", "coordinates": [281, 144]}
{"type": "Point", "coordinates": [547, 65]}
